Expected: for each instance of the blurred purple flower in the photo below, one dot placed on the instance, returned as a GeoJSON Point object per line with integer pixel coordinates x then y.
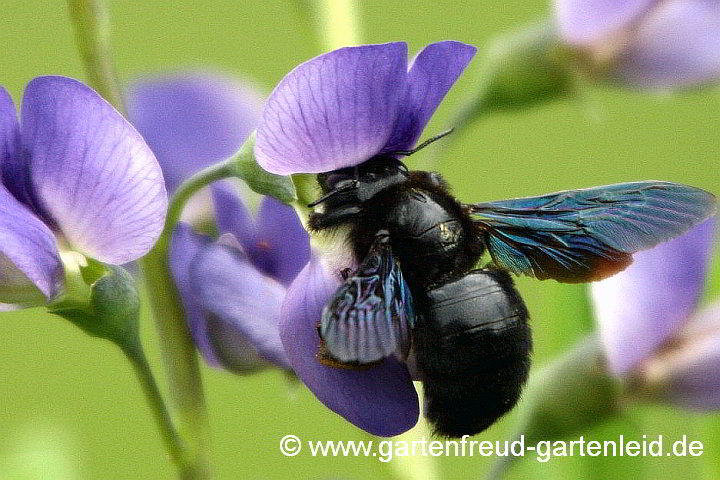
{"type": "Point", "coordinates": [339, 110]}
{"type": "Point", "coordinates": [231, 289]}
{"type": "Point", "coordinates": [75, 175]}
{"type": "Point", "coordinates": [646, 43]}
{"type": "Point", "coordinates": [650, 325]}
{"type": "Point", "coordinates": [192, 119]}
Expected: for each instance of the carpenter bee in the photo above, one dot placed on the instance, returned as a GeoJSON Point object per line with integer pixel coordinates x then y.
{"type": "Point", "coordinates": [417, 289]}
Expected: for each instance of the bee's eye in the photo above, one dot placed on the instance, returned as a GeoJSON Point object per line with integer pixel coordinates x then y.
{"type": "Point", "coordinates": [332, 180]}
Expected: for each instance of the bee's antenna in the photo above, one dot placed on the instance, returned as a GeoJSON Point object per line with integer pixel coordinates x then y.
{"type": "Point", "coordinates": [427, 142]}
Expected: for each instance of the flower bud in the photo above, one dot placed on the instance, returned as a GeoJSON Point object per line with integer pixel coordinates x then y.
{"type": "Point", "coordinates": [112, 307]}
{"type": "Point", "coordinates": [522, 69]}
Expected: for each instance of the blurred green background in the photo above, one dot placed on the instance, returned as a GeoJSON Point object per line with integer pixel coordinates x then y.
{"type": "Point", "coordinates": [69, 405]}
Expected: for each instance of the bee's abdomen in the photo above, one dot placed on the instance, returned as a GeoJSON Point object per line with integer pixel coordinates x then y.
{"type": "Point", "coordinates": [473, 345]}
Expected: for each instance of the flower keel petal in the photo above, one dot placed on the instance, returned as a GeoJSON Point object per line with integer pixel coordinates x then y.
{"type": "Point", "coordinates": [227, 284]}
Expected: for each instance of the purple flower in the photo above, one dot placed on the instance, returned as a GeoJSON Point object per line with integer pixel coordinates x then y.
{"type": "Point", "coordinates": [650, 325]}
{"type": "Point", "coordinates": [646, 43]}
{"type": "Point", "coordinates": [75, 175]}
{"type": "Point", "coordinates": [339, 110]}
{"type": "Point", "coordinates": [231, 289]}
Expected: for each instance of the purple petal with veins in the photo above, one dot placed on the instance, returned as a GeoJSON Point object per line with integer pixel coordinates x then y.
{"type": "Point", "coordinates": [94, 177]}
{"type": "Point", "coordinates": [431, 75]}
{"type": "Point", "coordinates": [334, 111]}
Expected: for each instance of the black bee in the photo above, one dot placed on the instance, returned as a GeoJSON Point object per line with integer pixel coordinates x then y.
{"type": "Point", "coordinates": [416, 286]}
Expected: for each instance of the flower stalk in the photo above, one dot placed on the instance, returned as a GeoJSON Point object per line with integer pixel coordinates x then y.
{"type": "Point", "coordinates": [92, 28]}
{"type": "Point", "coordinates": [337, 23]}
{"type": "Point", "coordinates": [91, 21]}
{"type": "Point", "coordinates": [177, 347]}
{"type": "Point", "coordinates": [181, 362]}
{"type": "Point", "coordinates": [136, 355]}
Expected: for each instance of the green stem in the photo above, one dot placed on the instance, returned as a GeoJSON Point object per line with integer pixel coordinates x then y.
{"type": "Point", "coordinates": [91, 21]}
{"type": "Point", "coordinates": [418, 467]}
{"type": "Point", "coordinates": [134, 352]}
{"type": "Point", "coordinates": [225, 169]}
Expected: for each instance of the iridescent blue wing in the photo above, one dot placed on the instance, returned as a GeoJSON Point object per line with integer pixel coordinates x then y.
{"type": "Point", "coordinates": [370, 316]}
{"type": "Point", "coordinates": [589, 234]}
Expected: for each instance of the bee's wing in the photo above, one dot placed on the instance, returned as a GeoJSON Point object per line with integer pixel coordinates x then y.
{"type": "Point", "coordinates": [370, 316]}
{"type": "Point", "coordinates": [589, 234]}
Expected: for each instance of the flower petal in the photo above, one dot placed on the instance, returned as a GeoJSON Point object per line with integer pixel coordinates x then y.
{"type": "Point", "coordinates": [334, 111]}
{"type": "Point", "coordinates": [8, 130]}
{"type": "Point", "coordinates": [583, 22]}
{"type": "Point", "coordinates": [92, 173]}
{"type": "Point", "coordinates": [282, 241]}
{"type": "Point", "coordinates": [192, 119]}
{"type": "Point", "coordinates": [380, 400]}
{"type": "Point", "coordinates": [432, 74]}
{"type": "Point", "coordinates": [184, 246]}
{"type": "Point", "coordinates": [677, 45]}
{"type": "Point", "coordinates": [231, 214]}
{"type": "Point", "coordinates": [227, 285]}
{"type": "Point", "coordinates": [28, 255]}
{"type": "Point", "coordinates": [639, 308]}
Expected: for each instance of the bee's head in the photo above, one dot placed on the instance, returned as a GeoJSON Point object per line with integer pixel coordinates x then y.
{"type": "Point", "coordinates": [362, 182]}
